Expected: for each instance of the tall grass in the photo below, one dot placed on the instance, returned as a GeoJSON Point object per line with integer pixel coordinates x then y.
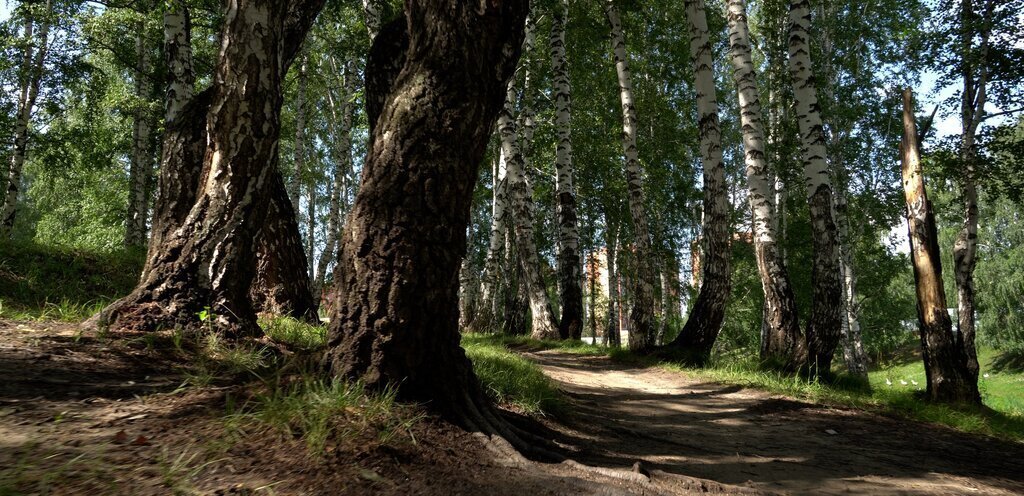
{"type": "Point", "coordinates": [511, 379]}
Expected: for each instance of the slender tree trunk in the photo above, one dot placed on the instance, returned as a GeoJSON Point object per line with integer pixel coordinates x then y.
{"type": "Point", "coordinates": [396, 322]}
{"type": "Point", "coordinates": [853, 344]}
{"type": "Point", "coordinates": [972, 110]}
{"type": "Point", "coordinates": [782, 342]}
{"type": "Point", "coordinates": [206, 261]}
{"type": "Point", "coordinates": [489, 284]}
{"type": "Point", "coordinates": [544, 325]}
{"type": "Point", "coordinates": [824, 325]}
{"type": "Point", "coordinates": [299, 162]}
{"type": "Point", "coordinates": [341, 128]}
{"type": "Point", "coordinates": [946, 368]}
{"type": "Point", "coordinates": [612, 335]}
{"type": "Point", "coordinates": [33, 64]}
{"type": "Point", "coordinates": [592, 275]}
{"type": "Point", "coordinates": [141, 167]}
{"type": "Point", "coordinates": [571, 294]}
{"type": "Point", "coordinates": [642, 314]}
{"type": "Point", "coordinates": [701, 330]}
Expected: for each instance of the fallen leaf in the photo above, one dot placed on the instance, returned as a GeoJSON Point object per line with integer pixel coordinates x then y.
{"type": "Point", "coordinates": [141, 441]}
{"type": "Point", "coordinates": [121, 437]}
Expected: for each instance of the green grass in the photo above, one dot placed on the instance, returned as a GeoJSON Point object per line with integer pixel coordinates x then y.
{"type": "Point", "coordinates": [1002, 391]}
{"type": "Point", "coordinates": [39, 282]}
{"type": "Point", "coordinates": [511, 379]}
{"type": "Point", "coordinates": [295, 333]}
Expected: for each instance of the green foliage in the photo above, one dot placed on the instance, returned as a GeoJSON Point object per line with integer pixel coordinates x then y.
{"type": "Point", "coordinates": [46, 282]}
{"type": "Point", "coordinates": [295, 333]}
{"type": "Point", "coordinates": [509, 378]}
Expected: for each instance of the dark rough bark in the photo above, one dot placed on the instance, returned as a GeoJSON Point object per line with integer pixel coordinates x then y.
{"type": "Point", "coordinates": [279, 286]}
{"type": "Point", "coordinates": [396, 318]}
{"type": "Point", "coordinates": [946, 367]}
{"type": "Point", "coordinates": [383, 63]}
{"type": "Point", "coordinates": [206, 260]}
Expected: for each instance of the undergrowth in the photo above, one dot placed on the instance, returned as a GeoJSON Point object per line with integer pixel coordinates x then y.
{"type": "Point", "coordinates": [511, 379]}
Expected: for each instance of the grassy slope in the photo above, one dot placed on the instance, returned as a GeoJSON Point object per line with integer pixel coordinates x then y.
{"type": "Point", "coordinates": [1002, 416]}
{"type": "Point", "coordinates": [46, 283]}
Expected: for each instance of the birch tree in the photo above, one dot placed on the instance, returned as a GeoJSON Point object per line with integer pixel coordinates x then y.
{"type": "Point", "coordinates": [33, 59]}
{"type": "Point", "coordinates": [571, 295]}
{"type": "Point", "coordinates": [141, 166]}
{"type": "Point", "coordinates": [782, 343]}
{"type": "Point", "coordinates": [949, 378]}
{"type": "Point", "coordinates": [708, 311]}
{"type": "Point", "coordinates": [824, 325]}
{"type": "Point", "coordinates": [642, 314]}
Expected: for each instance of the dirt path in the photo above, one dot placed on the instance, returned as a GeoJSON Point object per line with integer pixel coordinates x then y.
{"type": "Point", "coordinates": [746, 437]}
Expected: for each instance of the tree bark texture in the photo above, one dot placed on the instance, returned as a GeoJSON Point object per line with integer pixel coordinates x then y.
{"type": "Point", "coordinates": [299, 157]}
{"type": "Point", "coordinates": [698, 336]}
{"type": "Point", "coordinates": [825, 322]}
{"type": "Point", "coordinates": [782, 341]}
{"type": "Point", "coordinates": [853, 344]}
{"type": "Point", "coordinates": [949, 379]}
{"type": "Point", "coordinates": [612, 334]}
{"type": "Point", "coordinates": [33, 61]}
{"type": "Point", "coordinates": [570, 293]}
{"type": "Point", "coordinates": [396, 317]}
{"type": "Point", "coordinates": [489, 283]}
{"type": "Point", "coordinates": [641, 332]}
{"type": "Point", "coordinates": [205, 258]}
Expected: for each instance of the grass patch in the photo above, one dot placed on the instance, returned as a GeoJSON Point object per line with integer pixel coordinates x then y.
{"type": "Point", "coordinates": [511, 379]}
{"type": "Point", "coordinates": [295, 333]}
{"type": "Point", "coordinates": [317, 410]}
{"type": "Point", "coordinates": [1002, 389]}
{"type": "Point", "coordinates": [40, 282]}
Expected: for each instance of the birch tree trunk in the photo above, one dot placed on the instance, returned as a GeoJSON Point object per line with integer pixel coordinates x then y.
{"type": "Point", "coordinates": [140, 167]}
{"type": "Point", "coordinates": [571, 294]}
{"type": "Point", "coordinates": [972, 110]}
{"type": "Point", "coordinates": [544, 325]}
{"type": "Point", "coordinates": [371, 17]}
{"type": "Point", "coordinates": [33, 64]}
{"type": "Point", "coordinates": [489, 307]}
{"type": "Point", "coordinates": [708, 312]}
{"type": "Point", "coordinates": [341, 128]}
{"type": "Point", "coordinates": [824, 326]}
{"type": "Point", "coordinates": [206, 260]}
{"type": "Point", "coordinates": [397, 313]}
{"type": "Point", "coordinates": [642, 315]}
{"type": "Point", "coordinates": [946, 369]}
{"type": "Point", "coordinates": [853, 344]}
{"type": "Point", "coordinates": [295, 182]}
{"type": "Point", "coordinates": [612, 334]}
{"type": "Point", "coordinates": [782, 343]}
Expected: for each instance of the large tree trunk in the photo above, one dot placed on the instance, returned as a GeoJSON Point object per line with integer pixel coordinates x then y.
{"type": "Point", "coordinates": [824, 325]}
{"type": "Point", "coordinates": [972, 110]}
{"type": "Point", "coordinates": [140, 167]}
{"type": "Point", "coordinates": [396, 321]}
{"type": "Point", "coordinates": [341, 129]}
{"type": "Point", "coordinates": [207, 260]}
{"type": "Point", "coordinates": [949, 378]}
{"type": "Point", "coordinates": [571, 294]}
{"type": "Point", "coordinates": [708, 312]}
{"type": "Point", "coordinates": [371, 17]}
{"type": "Point", "coordinates": [641, 331]}
{"type": "Point", "coordinates": [33, 64]}
{"type": "Point", "coordinates": [521, 199]}
{"type": "Point", "coordinates": [782, 343]}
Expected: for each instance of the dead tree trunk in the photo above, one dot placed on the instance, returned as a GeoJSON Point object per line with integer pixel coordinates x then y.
{"type": "Point", "coordinates": [945, 364]}
{"type": "Point", "coordinates": [396, 321]}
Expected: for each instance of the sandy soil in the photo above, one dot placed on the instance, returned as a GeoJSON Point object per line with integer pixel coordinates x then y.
{"type": "Point", "coordinates": [742, 436]}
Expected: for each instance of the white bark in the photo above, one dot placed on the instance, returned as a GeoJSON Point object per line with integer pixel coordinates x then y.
{"type": "Point", "coordinates": [141, 159]}
{"type": "Point", "coordinates": [371, 17]}
{"type": "Point", "coordinates": [824, 326]}
{"type": "Point", "coordinates": [642, 314]}
{"type": "Point", "coordinates": [33, 65]}
{"type": "Point", "coordinates": [295, 182]}
{"type": "Point", "coordinates": [341, 128]}
{"type": "Point", "coordinates": [178, 53]}
{"type": "Point", "coordinates": [544, 326]}
{"type": "Point", "coordinates": [781, 339]}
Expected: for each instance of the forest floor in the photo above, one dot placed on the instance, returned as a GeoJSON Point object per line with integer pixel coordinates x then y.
{"type": "Point", "coordinates": [88, 414]}
{"type": "Point", "coordinates": [734, 435]}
